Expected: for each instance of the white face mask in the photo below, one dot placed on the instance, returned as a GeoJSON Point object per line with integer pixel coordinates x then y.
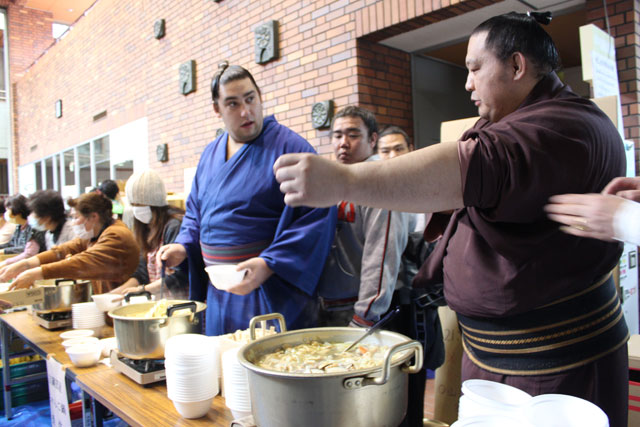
{"type": "Point", "coordinates": [143, 214]}
{"type": "Point", "coordinates": [80, 231]}
{"type": "Point", "coordinates": [33, 223]}
{"type": "Point", "coordinates": [7, 216]}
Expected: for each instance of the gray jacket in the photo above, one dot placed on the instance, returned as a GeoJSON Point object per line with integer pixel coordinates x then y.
{"type": "Point", "coordinates": [362, 267]}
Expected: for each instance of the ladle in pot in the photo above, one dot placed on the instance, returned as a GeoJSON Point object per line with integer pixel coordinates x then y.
{"type": "Point", "coordinates": [390, 315]}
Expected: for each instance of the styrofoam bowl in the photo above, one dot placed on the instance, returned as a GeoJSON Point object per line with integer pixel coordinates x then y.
{"type": "Point", "coordinates": [193, 410]}
{"type": "Point", "coordinates": [84, 355]}
{"type": "Point", "coordinates": [79, 341]}
{"type": "Point", "coordinates": [107, 302]}
{"type": "Point", "coordinates": [561, 410]}
{"type": "Point", "coordinates": [223, 276]}
{"type": "Point", "coordinates": [77, 333]}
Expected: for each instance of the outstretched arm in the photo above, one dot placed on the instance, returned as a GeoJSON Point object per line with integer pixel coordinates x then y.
{"type": "Point", "coordinates": [426, 180]}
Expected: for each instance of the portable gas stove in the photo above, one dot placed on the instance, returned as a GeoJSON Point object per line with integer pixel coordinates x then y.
{"type": "Point", "coordinates": [143, 371]}
{"type": "Point", "coordinates": [54, 319]}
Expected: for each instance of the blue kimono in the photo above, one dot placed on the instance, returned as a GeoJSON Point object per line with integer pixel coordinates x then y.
{"type": "Point", "coordinates": [235, 211]}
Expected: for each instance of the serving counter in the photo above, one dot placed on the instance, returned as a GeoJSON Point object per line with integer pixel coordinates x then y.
{"type": "Point", "coordinates": [103, 386]}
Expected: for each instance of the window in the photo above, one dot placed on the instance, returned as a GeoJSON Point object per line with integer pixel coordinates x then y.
{"type": "Point", "coordinates": [84, 166]}
{"type": "Point", "coordinates": [123, 170]}
{"type": "Point", "coordinates": [102, 159]}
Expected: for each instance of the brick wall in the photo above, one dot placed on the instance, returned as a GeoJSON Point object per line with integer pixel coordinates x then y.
{"type": "Point", "coordinates": [29, 35]}
{"type": "Point", "coordinates": [384, 84]}
{"type": "Point", "coordinates": [624, 22]}
{"type": "Point", "coordinates": [110, 61]}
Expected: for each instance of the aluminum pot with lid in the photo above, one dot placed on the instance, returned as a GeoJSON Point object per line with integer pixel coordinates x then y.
{"type": "Point", "coordinates": [145, 338]}
{"type": "Point", "coordinates": [60, 294]}
{"type": "Point", "coordinates": [365, 397]}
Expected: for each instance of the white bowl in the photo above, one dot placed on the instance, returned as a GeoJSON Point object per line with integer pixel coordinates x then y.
{"type": "Point", "coordinates": [77, 333]}
{"type": "Point", "coordinates": [193, 409]}
{"type": "Point", "coordinates": [79, 341]}
{"type": "Point", "coordinates": [106, 302]}
{"type": "Point", "coordinates": [223, 276]}
{"type": "Point", "coordinates": [84, 355]}
{"type": "Point", "coordinates": [108, 344]}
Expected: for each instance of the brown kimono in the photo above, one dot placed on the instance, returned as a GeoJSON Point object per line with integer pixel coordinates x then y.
{"type": "Point", "coordinates": [532, 300]}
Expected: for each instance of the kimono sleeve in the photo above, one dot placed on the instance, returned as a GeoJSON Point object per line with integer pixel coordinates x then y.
{"type": "Point", "coordinates": [509, 170]}
{"type": "Point", "coordinates": [300, 246]}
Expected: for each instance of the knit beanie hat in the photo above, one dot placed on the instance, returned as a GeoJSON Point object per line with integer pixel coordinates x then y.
{"type": "Point", "coordinates": [146, 188]}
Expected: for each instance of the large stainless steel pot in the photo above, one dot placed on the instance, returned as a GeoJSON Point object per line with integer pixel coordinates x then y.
{"type": "Point", "coordinates": [144, 338]}
{"type": "Point", "coordinates": [368, 397]}
{"type": "Point", "coordinates": [60, 294]}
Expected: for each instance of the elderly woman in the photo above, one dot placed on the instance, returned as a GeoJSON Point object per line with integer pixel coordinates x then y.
{"type": "Point", "coordinates": [25, 241]}
{"type": "Point", "coordinates": [155, 224]}
{"type": "Point", "coordinates": [104, 250]}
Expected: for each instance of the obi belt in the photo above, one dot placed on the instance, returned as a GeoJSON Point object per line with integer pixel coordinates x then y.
{"type": "Point", "coordinates": [566, 334]}
{"type": "Point", "coordinates": [231, 254]}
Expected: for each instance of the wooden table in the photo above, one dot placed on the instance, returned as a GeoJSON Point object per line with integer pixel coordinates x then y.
{"type": "Point", "coordinates": [135, 404]}
{"type": "Point", "coordinates": [145, 406]}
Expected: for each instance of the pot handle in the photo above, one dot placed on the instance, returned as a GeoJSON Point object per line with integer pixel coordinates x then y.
{"type": "Point", "coordinates": [128, 296]}
{"type": "Point", "coordinates": [351, 383]}
{"type": "Point", "coordinates": [172, 308]}
{"type": "Point", "coordinates": [264, 318]}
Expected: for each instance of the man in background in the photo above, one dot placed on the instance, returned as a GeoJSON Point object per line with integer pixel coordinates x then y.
{"type": "Point", "coordinates": [360, 275]}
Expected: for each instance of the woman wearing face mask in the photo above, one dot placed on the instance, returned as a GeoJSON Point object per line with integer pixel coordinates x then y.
{"type": "Point", "coordinates": [155, 224]}
{"type": "Point", "coordinates": [26, 241]}
{"type": "Point", "coordinates": [6, 228]}
{"type": "Point", "coordinates": [48, 215]}
{"type": "Point", "coordinates": [104, 250]}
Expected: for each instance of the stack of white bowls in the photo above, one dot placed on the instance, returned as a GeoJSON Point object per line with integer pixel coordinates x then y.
{"type": "Point", "coordinates": [86, 315]}
{"type": "Point", "coordinates": [192, 373]}
{"type": "Point", "coordinates": [236, 384]}
{"type": "Point", "coordinates": [491, 404]}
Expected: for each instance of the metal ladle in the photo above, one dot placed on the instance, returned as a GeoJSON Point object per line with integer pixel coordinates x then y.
{"type": "Point", "coordinates": [390, 315]}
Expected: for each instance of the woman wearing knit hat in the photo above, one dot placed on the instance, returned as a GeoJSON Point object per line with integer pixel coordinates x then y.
{"type": "Point", "coordinates": [155, 224]}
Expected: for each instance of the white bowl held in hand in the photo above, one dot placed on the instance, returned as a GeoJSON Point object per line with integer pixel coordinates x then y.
{"type": "Point", "coordinates": [193, 409]}
{"type": "Point", "coordinates": [84, 355]}
{"type": "Point", "coordinates": [107, 302]}
{"type": "Point", "coordinates": [223, 276]}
